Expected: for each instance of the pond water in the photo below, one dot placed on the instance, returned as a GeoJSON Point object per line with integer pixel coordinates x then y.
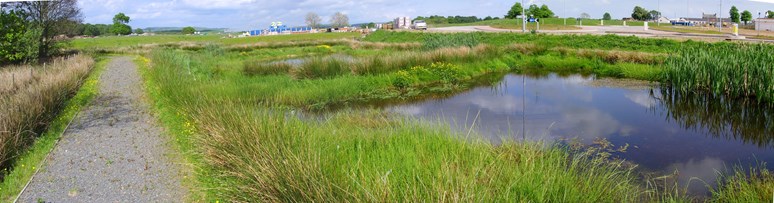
{"type": "Point", "coordinates": [696, 135]}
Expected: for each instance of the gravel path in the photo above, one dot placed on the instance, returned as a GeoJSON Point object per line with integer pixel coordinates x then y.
{"type": "Point", "coordinates": [113, 151]}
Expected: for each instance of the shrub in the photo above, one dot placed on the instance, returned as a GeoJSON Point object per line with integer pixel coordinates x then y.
{"type": "Point", "coordinates": [403, 79]}
{"type": "Point", "coordinates": [322, 67]}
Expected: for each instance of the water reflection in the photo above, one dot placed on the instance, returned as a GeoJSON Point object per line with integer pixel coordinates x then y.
{"type": "Point", "coordinates": [744, 120]}
{"type": "Point", "coordinates": [695, 134]}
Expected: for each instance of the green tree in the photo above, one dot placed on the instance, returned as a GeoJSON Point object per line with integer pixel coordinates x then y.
{"type": "Point", "coordinates": [534, 11]}
{"type": "Point", "coordinates": [640, 13]}
{"type": "Point", "coordinates": [770, 14]}
{"type": "Point", "coordinates": [91, 30]}
{"type": "Point", "coordinates": [488, 18]}
{"type": "Point", "coordinates": [515, 11]}
{"type": "Point", "coordinates": [48, 19]}
{"type": "Point", "coordinates": [653, 15]}
{"type": "Point", "coordinates": [607, 16]}
{"type": "Point", "coordinates": [12, 29]}
{"type": "Point", "coordinates": [120, 26]}
{"type": "Point", "coordinates": [734, 14]}
{"type": "Point", "coordinates": [139, 31]}
{"type": "Point", "coordinates": [545, 12]}
{"type": "Point", "coordinates": [188, 30]}
{"type": "Point", "coordinates": [747, 16]}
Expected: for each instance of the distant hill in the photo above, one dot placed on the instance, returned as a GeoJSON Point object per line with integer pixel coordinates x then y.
{"type": "Point", "coordinates": [180, 29]}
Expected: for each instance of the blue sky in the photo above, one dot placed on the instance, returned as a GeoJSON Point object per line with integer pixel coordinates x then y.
{"type": "Point", "coordinates": [247, 14]}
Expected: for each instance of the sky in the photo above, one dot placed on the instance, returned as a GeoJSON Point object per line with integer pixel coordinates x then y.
{"type": "Point", "coordinates": [252, 14]}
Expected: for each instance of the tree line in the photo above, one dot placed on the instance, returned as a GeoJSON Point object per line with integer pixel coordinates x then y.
{"type": "Point", "coordinates": [33, 31]}
{"type": "Point", "coordinates": [533, 11]}
{"type": "Point", "coordinates": [338, 20]}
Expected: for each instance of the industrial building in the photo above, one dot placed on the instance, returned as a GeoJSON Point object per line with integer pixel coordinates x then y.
{"type": "Point", "coordinates": [402, 23]}
{"type": "Point", "coordinates": [764, 24]}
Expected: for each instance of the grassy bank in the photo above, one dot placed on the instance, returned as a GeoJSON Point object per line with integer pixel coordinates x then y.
{"type": "Point", "coordinates": [25, 164]}
{"type": "Point", "coordinates": [606, 42]}
{"type": "Point", "coordinates": [258, 152]}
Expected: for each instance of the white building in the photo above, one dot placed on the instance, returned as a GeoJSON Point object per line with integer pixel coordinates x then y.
{"type": "Point", "coordinates": [402, 23]}
{"type": "Point", "coordinates": [764, 24]}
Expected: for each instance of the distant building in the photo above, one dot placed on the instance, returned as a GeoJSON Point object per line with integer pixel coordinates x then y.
{"type": "Point", "coordinates": [402, 23]}
{"type": "Point", "coordinates": [764, 24]}
{"type": "Point", "coordinates": [663, 19]}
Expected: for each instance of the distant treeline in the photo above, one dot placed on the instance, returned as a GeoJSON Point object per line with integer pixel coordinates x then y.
{"type": "Point", "coordinates": [453, 19]}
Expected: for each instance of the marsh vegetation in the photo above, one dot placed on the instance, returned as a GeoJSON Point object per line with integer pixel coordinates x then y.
{"type": "Point", "coordinates": [240, 110]}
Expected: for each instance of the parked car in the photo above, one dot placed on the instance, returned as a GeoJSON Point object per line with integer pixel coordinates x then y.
{"type": "Point", "coordinates": [420, 25]}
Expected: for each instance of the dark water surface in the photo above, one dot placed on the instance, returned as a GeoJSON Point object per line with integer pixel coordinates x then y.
{"type": "Point", "coordinates": [697, 135]}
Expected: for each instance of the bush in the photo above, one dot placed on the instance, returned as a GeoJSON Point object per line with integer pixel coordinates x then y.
{"type": "Point", "coordinates": [403, 79]}
{"type": "Point", "coordinates": [19, 40]}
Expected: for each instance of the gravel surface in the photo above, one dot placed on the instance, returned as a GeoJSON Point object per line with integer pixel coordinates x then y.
{"type": "Point", "coordinates": [113, 151]}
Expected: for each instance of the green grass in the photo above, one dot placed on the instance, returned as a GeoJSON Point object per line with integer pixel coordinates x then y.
{"type": "Point", "coordinates": [606, 42]}
{"type": "Point", "coordinates": [126, 41]}
{"type": "Point", "coordinates": [246, 140]}
{"type": "Point", "coordinates": [545, 24]}
{"type": "Point", "coordinates": [755, 185]}
{"type": "Point", "coordinates": [260, 152]}
{"type": "Point", "coordinates": [26, 164]}
{"type": "Point", "coordinates": [736, 70]}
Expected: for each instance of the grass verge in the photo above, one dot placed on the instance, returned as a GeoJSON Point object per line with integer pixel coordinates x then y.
{"type": "Point", "coordinates": [181, 129]}
{"type": "Point", "coordinates": [26, 164]}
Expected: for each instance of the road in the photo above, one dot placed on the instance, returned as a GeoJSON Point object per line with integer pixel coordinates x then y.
{"type": "Point", "coordinates": [113, 151]}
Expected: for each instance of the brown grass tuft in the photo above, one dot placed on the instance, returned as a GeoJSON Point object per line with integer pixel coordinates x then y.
{"type": "Point", "coordinates": [30, 97]}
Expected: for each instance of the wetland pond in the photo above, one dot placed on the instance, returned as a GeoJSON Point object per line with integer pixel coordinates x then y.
{"type": "Point", "coordinates": [696, 135]}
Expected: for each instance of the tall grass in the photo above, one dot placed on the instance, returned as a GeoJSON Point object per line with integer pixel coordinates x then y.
{"type": "Point", "coordinates": [30, 97]}
{"type": "Point", "coordinates": [451, 40]}
{"type": "Point", "coordinates": [260, 153]}
{"type": "Point", "coordinates": [326, 67]}
{"type": "Point", "coordinates": [737, 70]}
{"type": "Point", "coordinates": [252, 68]}
{"type": "Point", "coordinates": [755, 185]}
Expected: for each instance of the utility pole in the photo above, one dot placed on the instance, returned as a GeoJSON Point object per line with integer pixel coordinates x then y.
{"type": "Point", "coordinates": [720, 17]}
{"type": "Point", "coordinates": [658, 19]}
{"type": "Point", "coordinates": [564, 8]}
{"type": "Point", "coordinates": [523, 18]}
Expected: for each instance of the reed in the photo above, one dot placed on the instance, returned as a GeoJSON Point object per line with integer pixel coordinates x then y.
{"type": "Point", "coordinates": [737, 70]}
{"type": "Point", "coordinates": [30, 97]}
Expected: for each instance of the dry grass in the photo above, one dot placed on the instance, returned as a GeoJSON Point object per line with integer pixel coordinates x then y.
{"type": "Point", "coordinates": [31, 96]}
{"type": "Point", "coordinates": [614, 56]}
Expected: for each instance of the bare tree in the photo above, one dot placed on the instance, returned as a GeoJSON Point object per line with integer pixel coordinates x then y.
{"type": "Point", "coordinates": [339, 20]}
{"type": "Point", "coordinates": [313, 20]}
{"type": "Point", "coordinates": [52, 18]}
